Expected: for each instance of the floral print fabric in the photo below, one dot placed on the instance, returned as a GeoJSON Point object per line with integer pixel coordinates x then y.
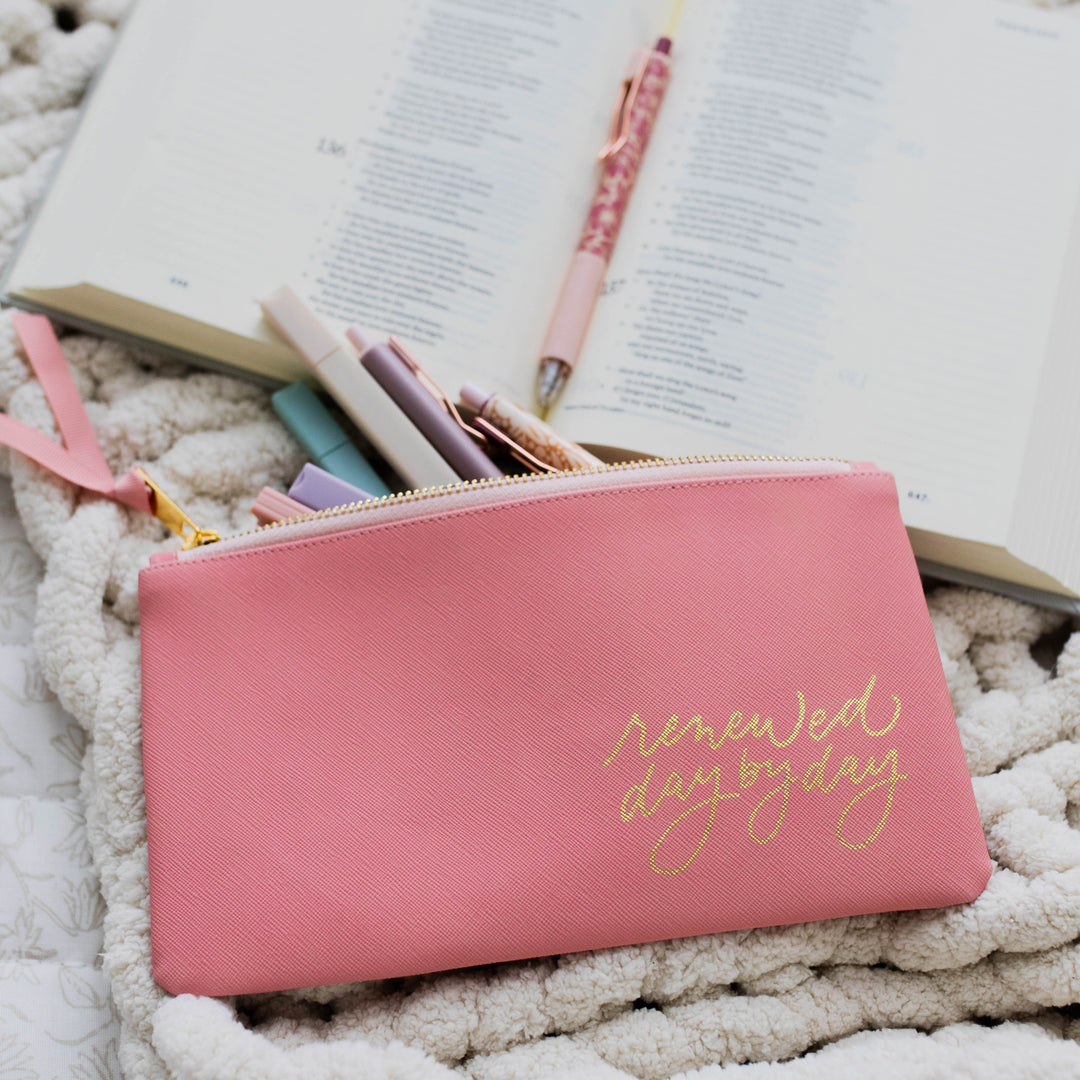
{"type": "Point", "coordinates": [56, 1016]}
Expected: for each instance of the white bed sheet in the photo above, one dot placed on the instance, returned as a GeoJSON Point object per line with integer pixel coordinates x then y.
{"type": "Point", "coordinates": [57, 1019]}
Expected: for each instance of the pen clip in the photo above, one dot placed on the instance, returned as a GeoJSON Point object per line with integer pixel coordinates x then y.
{"type": "Point", "coordinates": [514, 449]}
{"type": "Point", "coordinates": [619, 131]}
{"type": "Point", "coordinates": [481, 430]}
{"type": "Point", "coordinates": [434, 389]}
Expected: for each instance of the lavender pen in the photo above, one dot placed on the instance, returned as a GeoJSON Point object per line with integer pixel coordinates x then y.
{"type": "Point", "coordinates": [420, 405]}
{"type": "Point", "coordinates": [528, 431]}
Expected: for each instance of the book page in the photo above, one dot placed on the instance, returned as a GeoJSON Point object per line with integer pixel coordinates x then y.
{"type": "Point", "coordinates": [846, 240]}
{"type": "Point", "coordinates": [470, 185]}
{"type": "Point", "coordinates": [421, 167]}
{"type": "Point", "coordinates": [68, 226]}
{"type": "Point", "coordinates": [1045, 529]}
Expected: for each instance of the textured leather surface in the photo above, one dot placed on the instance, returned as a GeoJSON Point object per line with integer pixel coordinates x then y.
{"type": "Point", "coordinates": [382, 752]}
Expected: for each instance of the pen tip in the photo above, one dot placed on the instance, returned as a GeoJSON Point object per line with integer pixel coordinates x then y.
{"type": "Point", "coordinates": [549, 382]}
{"type": "Point", "coordinates": [663, 45]}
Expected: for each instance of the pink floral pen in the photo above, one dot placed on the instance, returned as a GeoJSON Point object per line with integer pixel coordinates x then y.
{"type": "Point", "coordinates": [631, 125]}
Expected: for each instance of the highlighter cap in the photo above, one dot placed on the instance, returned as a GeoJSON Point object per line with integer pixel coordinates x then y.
{"type": "Point", "coordinates": [307, 418]}
{"type": "Point", "coordinates": [299, 325]}
{"type": "Point", "coordinates": [320, 490]}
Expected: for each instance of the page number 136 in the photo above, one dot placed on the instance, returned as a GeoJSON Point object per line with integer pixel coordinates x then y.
{"type": "Point", "coordinates": [331, 147]}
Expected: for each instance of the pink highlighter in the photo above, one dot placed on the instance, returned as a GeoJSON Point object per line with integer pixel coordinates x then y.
{"type": "Point", "coordinates": [271, 505]}
{"type": "Point", "coordinates": [631, 125]}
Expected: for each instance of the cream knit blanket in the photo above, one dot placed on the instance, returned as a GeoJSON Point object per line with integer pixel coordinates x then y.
{"type": "Point", "coordinates": [989, 989]}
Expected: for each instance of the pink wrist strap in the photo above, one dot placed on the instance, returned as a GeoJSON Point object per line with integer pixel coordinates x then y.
{"type": "Point", "coordinates": [80, 459]}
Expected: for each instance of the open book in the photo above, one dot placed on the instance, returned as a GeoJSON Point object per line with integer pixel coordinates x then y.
{"type": "Point", "coordinates": [855, 232]}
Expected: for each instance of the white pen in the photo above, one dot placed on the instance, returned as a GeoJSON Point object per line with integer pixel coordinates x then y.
{"type": "Point", "coordinates": [373, 410]}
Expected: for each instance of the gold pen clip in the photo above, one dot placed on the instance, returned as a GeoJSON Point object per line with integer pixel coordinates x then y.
{"type": "Point", "coordinates": [514, 449]}
{"type": "Point", "coordinates": [433, 388]}
{"type": "Point", "coordinates": [165, 510]}
{"type": "Point", "coordinates": [619, 131]}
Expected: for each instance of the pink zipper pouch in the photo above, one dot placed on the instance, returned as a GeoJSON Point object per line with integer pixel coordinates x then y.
{"type": "Point", "coordinates": [527, 717]}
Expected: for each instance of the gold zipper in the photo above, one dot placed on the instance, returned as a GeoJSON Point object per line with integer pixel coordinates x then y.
{"type": "Point", "coordinates": [167, 511]}
{"type": "Point", "coordinates": [418, 494]}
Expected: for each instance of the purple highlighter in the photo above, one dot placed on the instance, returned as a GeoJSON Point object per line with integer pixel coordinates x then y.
{"type": "Point", "coordinates": [319, 490]}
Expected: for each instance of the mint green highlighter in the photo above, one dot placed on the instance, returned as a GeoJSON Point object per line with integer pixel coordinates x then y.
{"type": "Point", "coordinates": [321, 436]}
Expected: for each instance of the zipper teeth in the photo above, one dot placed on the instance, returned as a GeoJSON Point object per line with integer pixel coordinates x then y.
{"type": "Point", "coordinates": [419, 494]}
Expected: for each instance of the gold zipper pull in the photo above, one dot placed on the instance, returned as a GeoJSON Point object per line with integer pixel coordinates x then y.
{"type": "Point", "coordinates": [167, 511]}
